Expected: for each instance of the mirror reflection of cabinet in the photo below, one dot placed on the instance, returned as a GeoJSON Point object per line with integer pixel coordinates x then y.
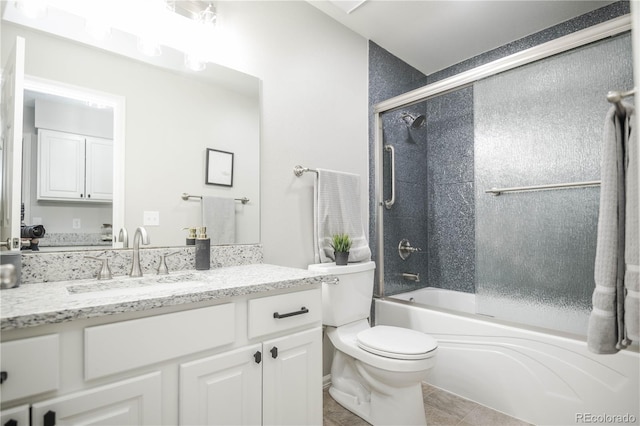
{"type": "Point", "coordinates": [74, 167]}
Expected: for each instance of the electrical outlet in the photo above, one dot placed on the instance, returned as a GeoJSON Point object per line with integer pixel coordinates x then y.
{"type": "Point", "coordinates": [151, 218]}
{"type": "Point", "coordinates": [76, 223]}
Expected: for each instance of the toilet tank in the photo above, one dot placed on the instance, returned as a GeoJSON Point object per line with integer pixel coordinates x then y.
{"type": "Point", "coordinates": [349, 298]}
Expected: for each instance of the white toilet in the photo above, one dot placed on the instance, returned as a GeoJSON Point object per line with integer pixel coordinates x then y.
{"type": "Point", "coordinates": [376, 372]}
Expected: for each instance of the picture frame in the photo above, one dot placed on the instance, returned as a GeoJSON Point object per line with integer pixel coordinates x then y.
{"type": "Point", "coordinates": [219, 169]}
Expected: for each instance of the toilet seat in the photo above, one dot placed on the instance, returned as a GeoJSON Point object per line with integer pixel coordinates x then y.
{"type": "Point", "coordinates": [397, 342]}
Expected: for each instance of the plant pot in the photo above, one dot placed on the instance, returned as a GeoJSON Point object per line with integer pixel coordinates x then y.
{"type": "Point", "coordinates": [342, 257]}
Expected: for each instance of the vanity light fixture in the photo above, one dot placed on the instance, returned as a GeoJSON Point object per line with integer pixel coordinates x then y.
{"type": "Point", "coordinates": [208, 16]}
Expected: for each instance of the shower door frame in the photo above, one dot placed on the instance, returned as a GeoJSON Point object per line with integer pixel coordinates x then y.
{"type": "Point", "coordinates": [592, 34]}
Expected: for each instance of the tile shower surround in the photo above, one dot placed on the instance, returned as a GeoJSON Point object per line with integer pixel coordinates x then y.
{"type": "Point", "coordinates": [445, 227]}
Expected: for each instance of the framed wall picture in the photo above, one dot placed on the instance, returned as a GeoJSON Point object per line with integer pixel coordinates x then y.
{"type": "Point", "coordinates": [219, 167]}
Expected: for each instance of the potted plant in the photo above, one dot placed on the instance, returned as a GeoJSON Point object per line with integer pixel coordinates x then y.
{"type": "Point", "coordinates": [341, 244]}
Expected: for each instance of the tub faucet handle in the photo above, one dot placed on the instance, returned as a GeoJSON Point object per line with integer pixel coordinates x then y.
{"type": "Point", "coordinates": [405, 249]}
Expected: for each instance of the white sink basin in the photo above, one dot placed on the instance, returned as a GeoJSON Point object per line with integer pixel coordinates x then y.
{"type": "Point", "coordinates": [124, 283]}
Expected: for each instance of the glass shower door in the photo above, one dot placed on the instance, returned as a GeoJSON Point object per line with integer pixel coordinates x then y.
{"type": "Point", "coordinates": [535, 125]}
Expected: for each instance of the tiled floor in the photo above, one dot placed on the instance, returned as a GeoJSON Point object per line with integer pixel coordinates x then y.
{"type": "Point", "coordinates": [441, 409]}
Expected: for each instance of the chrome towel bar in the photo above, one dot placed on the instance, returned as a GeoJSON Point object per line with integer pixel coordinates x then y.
{"type": "Point", "coordinates": [616, 99]}
{"type": "Point", "coordinates": [299, 170]}
{"type": "Point", "coordinates": [185, 196]}
{"type": "Point", "coordinates": [498, 191]}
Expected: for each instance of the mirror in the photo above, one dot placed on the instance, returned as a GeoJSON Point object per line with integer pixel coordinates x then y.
{"type": "Point", "coordinates": [168, 119]}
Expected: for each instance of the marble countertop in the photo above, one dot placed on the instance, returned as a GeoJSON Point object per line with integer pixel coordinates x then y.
{"type": "Point", "coordinates": [31, 305]}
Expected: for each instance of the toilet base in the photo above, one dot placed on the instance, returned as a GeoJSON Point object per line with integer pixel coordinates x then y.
{"type": "Point", "coordinates": [351, 403]}
{"type": "Point", "coordinates": [383, 411]}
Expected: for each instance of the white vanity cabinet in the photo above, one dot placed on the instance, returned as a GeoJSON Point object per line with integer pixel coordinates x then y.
{"type": "Point", "coordinates": [74, 167]}
{"type": "Point", "coordinates": [277, 381]}
{"type": "Point", "coordinates": [246, 360]}
{"type": "Point", "coordinates": [17, 416]}
{"type": "Point", "coordinates": [134, 401]}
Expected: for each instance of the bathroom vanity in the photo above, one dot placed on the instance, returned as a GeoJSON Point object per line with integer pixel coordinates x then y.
{"type": "Point", "coordinates": [233, 345]}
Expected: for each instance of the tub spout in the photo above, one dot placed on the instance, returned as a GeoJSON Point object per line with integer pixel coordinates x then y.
{"type": "Point", "coordinates": [411, 277]}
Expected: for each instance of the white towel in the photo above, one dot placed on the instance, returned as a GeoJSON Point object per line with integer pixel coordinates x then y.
{"type": "Point", "coordinates": [338, 211]}
{"type": "Point", "coordinates": [219, 216]}
{"type": "Point", "coordinates": [617, 246]}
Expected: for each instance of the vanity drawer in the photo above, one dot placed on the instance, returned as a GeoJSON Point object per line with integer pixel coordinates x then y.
{"type": "Point", "coordinates": [31, 366]}
{"type": "Point", "coordinates": [284, 312]}
{"type": "Point", "coordinates": [117, 347]}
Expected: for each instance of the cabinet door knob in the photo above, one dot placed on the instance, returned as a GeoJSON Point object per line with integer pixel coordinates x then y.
{"type": "Point", "coordinates": [257, 357]}
{"type": "Point", "coordinates": [274, 352]}
{"type": "Point", "coordinates": [3, 376]}
{"type": "Point", "coordinates": [50, 418]}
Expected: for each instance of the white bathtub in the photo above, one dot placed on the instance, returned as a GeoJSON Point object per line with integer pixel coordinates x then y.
{"type": "Point", "coordinates": [539, 377]}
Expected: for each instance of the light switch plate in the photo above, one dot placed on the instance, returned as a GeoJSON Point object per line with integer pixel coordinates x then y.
{"type": "Point", "coordinates": [151, 218]}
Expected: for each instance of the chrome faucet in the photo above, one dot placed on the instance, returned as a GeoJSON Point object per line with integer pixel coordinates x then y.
{"type": "Point", "coordinates": [123, 236]}
{"type": "Point", "coordinates": [135, 264]}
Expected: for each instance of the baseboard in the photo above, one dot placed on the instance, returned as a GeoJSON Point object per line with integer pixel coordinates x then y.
{"type": "Point", "coordinates": [326, 381]}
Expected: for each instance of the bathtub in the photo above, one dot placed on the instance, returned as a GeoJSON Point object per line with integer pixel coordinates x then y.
{"type": "Point", "coordinates": [540, 377]}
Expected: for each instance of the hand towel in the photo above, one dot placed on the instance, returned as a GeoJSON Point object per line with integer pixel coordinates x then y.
{"type": "Point", "coordinates": [219, 216]}
{"type": "Point", "coordinates": [617, 233]}
{"type": "Point", "coordinates": [338, 211]}
{"type": "Point", "coordinates": [631, 252]}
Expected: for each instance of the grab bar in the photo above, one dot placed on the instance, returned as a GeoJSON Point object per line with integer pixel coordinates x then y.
{"type": "Point", "coordinates": [498, 191]}
{"type": "Point", "coordinates": [390, 202]}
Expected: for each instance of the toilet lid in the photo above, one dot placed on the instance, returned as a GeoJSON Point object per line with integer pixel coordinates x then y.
{"type": "Point", "coordinates": [396, 342]}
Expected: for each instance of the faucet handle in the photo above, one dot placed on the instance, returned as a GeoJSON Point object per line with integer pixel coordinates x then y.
{"type": "Point", "coordinates": [162, 267]}
{"type": "Point", "coordinates": [105, 270]}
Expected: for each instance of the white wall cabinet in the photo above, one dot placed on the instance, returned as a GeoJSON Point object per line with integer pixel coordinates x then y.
{"type": "Point", "coordinates": [74, 167]}
{"type": "Point", "coordinates": [195, 366]}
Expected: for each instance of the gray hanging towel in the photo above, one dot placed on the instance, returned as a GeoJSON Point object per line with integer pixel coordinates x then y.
{"type": "Point", "coordinates": [616, 270]}
{"type": "Point", "coordinates": [219, 216]}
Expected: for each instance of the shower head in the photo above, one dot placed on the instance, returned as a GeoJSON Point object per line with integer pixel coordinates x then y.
{"type": "Point", "coordinates": [415, 122]}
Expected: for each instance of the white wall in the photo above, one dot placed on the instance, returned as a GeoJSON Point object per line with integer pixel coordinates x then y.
{"type": "Point", "coordinates": [314, 106]}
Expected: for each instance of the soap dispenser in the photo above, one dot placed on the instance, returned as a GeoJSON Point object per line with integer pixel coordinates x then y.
{"type": "Point", "coordinates": [203, 250]}
{"type": "Point", "coordinates": [191, 238]}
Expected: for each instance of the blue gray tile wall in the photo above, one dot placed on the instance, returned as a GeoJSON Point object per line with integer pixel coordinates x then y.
{"type": "Point", "coordinates": [388, 77]}
{"type": "Point", "coordinates": [434, 165]}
